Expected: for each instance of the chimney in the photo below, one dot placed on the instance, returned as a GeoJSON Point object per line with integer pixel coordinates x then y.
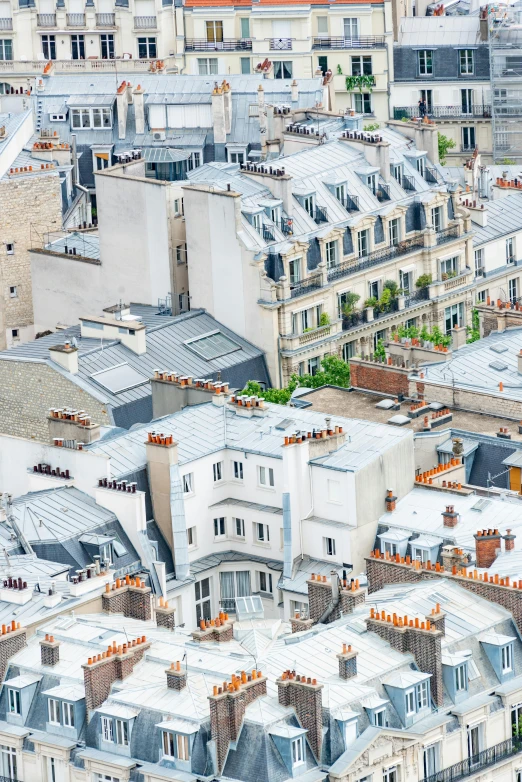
{"type": "Point", "coordinates": [227, 710]}
{"type": "Point", "coordinates": [165, 615]}
{"type": "Point", "coordinates": [262, 113]}
{"type": "Point", "coordinates": [437, 619]}
{"type": "Point", "coordinates": [487, 546]}
{"type": "Point", "coordinates": [103, 670]}
{"type": "Point", "coordinates": [295, 91]}
{"type": "Point", "coordinates": [519, 362]}
{"type": "Point", "coordinates": [122, 106]}
{"type": "Point", "coordinates": [131, 333]}
{"type": "Point", "coordinates": [139, 110]}
{"type": "Point", "coordinates": [449, 517]}
{"type": "Point", "coordinates": [12, 639]}
{"type": "Point", "coordinates": [49, 650]}
{"type": "Point", "coordinates": [227, 100]}
{"type": "Point", "coordinates": [66, 356]}
{"type": "Point", "coordinates": [390, 501]}
{"type": "Point", "coordinates": [129, 92]}
{"type": "Point", "coordinates": [171, 392]}
{"type": "Point", "coordinates": [347, 662]}
{"type": "Point", "coordinates": [176, 678]}
{"type": "Point", "coordinates": [128, 596]}
{"type": "Point", "coordinates": [68, 424]}
{"type": "Point", "coordinates": [458, 337]}
{"type": "Point", "coordinates": [509, 541]}
{"type": "Point", "coordinates": [218, 115]}
{"type": "Point", "coordinates": [305, 695]}
{"type": "Point", "coordinates": [220, 630]}
{"type": "Point", "coordinates": [322, 593]}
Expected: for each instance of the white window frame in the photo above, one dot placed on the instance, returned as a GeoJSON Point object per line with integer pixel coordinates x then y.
{"type": "Point", "coordinates": [507, 658]}
{"type": "Point", "coordinates": [207, 66]}
{"type": "Point", "coordinates": [107, 729]}
{"type": "Point", "coordinates": [425, 62]}
{"type": "Point", "coordinates": [262, 532]}
{"type": "Point", "coordinates": [390, 774]}
{"type": "Point", "coordinates": [330, 249]}
{"type": "Point", "coordinates": [122, 733]}
{"type": "Point", "coordinates": [188, 483]}
{"type": "Point", "coordinates": [394, 231]}
{"type": "Point", "coordinates": [220, 527]}
{"type": "Point", "coordinates": [511, 252]}
{"type": "Point", "coordinates": [53, 710]}
{"type": "Point", "coordinates": [363, 243]}
{"type": "Point", "coordinates": [409, 700]}
{"type": "Point", "coordinates": [265, 477]}
{"type": "Point", "coordinates": [298, 756]}
{"type": "Point", "coordinates": [239, 528]}
{"type": "Point", "coordinates": [379, 718]}
{"type": "Point", "coordinates": [86, 118]}
{"type": "Point", "coordinates": [217, 470]}
{"type": "Point", "coordinates": [14, 701]}
{"type": "Point", "coordinates": [466, 62]}
{"type": "Point", "coordinates": [461, 684]}
{"type": "Point", "coordinates": [422, 693]}
{"type": "Point", "coordinates": [329, 547]}
{"type": "Point", "coordinates": [191, 537]}
{"type": "Point", "coordinates": [238, 470]}
{"type": "Point", "coordinates": [68, 714]}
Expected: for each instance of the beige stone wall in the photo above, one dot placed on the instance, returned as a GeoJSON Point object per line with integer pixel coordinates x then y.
{"type": "Point", "coordinates": [29, 207]}
{"type": "Point", "coordinates": [28, 390]}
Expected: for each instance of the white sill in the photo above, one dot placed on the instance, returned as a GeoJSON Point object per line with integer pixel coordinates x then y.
{"type": "Point", "coordinates": [193, 547]}
{"type": "Point", "coordinates": [188, 495]}
{"type": "Point", "coordinates": [238, 539]}
{"type": "Point", "coordinates": [220, 538]}
{"type": "Point", "coordinates": [265, 488]}
{"type": "Point", "coordinates": [237, 480]}
{"type": "Point", "coordinates": [219, 483]}
{"type": "Point", "coordinates": [262, 543]}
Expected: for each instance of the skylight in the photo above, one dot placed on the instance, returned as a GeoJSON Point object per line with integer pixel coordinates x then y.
{"type": "Point", "coordinates": [119, 378]}
{"type": "Point", "coordinates": [212, 345]}
{"type": "Point", "coordinates": [498, 365]}
{"type": "Point", "coordinates": [498, 347]}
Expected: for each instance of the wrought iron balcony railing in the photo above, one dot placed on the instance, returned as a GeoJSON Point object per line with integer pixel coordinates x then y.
{"type": "Point", "coordinates": [448, 234]}
{"type": "Point", "coordinates": [373, 259]}
{"type": "Point", "coordinates": [363, 42]}
{"type": "Point", "coordinates": [301, 288]}
{"type": "Point", "coordinates": [226, 45]}
{"type": "Point", "coordinates": [439, 112]}
{"type": "Point", "coordinates": [474, 764]}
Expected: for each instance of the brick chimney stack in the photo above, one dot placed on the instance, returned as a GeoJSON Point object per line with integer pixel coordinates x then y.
{"type": "Point", "coordinates": [449, 517]}
{"type": "Point", "coordinates": [12, 639]}
{"type": "Point", "coordinates": [347, 662]}
{"type": "Point", "coordinates": [219, 630]}
{"type": "Point", "coordinates": [50, 650]}
{"type": "Point", "coordinates": [176, 678]}
{"type": "Point", "coordinates": [509, 541]}
{"type": "Point", "coordinates": [487, 545]}
{"type": "Point", "coordinates": [390, 501]}
{"type": "Point", "coordinates": [305, 695]}
{"type": "Point", "coordinates": [101, 671]}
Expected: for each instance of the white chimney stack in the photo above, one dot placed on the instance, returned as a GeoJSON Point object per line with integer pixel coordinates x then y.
{"type": "Point", "coordinates": [139, 110]}
{"type": "Point", "coordinates": [218, 115]}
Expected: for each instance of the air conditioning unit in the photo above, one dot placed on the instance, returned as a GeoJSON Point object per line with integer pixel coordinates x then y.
{"type": "Point", "coordinates": [159, 135]}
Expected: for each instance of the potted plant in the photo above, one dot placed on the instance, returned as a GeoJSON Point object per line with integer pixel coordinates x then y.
{"type": "Point", "coordinates": [369, 306]}
{"type": "Point", "coordinates": [364, 83]}
{"type": "Point", "coordinates": [324, 319]}
{"type": "Point", "coordinates": [348, 309]}
{"type": "Point", "coordinates": [423, 281]}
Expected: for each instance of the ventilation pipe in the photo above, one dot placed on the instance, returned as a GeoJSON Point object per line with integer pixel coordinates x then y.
{"type": "Point", "coordinates": [287, 536]}
{"type": "Point", "coordinates": [179, 525]}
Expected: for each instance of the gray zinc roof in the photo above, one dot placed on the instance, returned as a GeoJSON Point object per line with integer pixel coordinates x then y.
{"type": "Point", "coordinates": [439, 31]}
{"type": "Point", "coordinates": [504, 217]}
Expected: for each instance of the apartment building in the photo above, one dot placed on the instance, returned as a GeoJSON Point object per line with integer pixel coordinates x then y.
{"type": "Point", "coordinates": [313, 242]}
{"type": "Point", "coordinates": [441, 70]}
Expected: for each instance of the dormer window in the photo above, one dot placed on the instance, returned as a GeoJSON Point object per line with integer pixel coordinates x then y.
{"type": "Point", "coordinates": [54, 711]}
{"type": "Point", "coordinates": [461, 678]}
{"type": "Point", "coordinates": [507, 658]}
{"type": "Point", "coordinates": [379, 718]}
{"type": "Point", "coordinates": [14, 701]}
{"type": "Point", "coordinates": [257, 222]}
{"type": "Point", "coordinates": [309, 204]}
{"type": "Point", "coordinates": [410, 702]}
{"type": "Point", "coordinates": [176, 745]}
{"type": "Point", "coordinates": [297, 751]}
{"type": "Point", "coordinates": [421, 165]}
{"type": "Point", "coordinates": [396, 172]}
{"type": "Point", "coordinates": [340, 193]}
{"type": "Point", "coordinates": [372, 182]}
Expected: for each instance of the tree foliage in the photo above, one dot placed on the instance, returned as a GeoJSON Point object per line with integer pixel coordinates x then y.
{"type": "Point", "coordinates": [334, 372]}
{"type": "Point", "coordinates": [445, 144]}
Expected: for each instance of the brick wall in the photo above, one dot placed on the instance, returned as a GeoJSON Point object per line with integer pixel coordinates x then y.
{"type": "Point", "coordinates": [166, 617]}
{"type": "Point", "coordinates": [305, 696]}
{"type": "Point", "coordinates": [49, 651]}
{"type": "Point", "coordinates": [320, 596]}
{"type": "Point", "coordinates": [30, 206]}
{"type": "Point", "coordinates": [217, 630]}
{"type": "Point", "coordinates": [487, 545]}
{"type": "Point", "coordinates": [12, 640]}
{"type": "Point", "coordinates": [347, 664]}
{"type": "Point", "coordinates": [129, 599]}
{"type": "Point", "coordinates": [100, 672]}
{"type": "Point", "coordinates": [28, 390]}
{"type": "Point", "coordinates": [374, 376]}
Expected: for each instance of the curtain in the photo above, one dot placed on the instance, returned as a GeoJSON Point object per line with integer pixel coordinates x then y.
{"type": "Point", "coordinates": [227, 585]}
{"type": "Point", "coordinates": [243, 583]}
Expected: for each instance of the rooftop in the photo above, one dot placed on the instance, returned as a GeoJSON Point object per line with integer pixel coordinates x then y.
{"type": "Point", "coordinates": [440, 31]}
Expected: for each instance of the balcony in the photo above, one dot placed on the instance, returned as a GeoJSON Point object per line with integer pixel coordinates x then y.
{"type": "Point", "coordinates": [268, 234]}
{"type": "Point", "coordinates": [408, 182]}
{"type": "Point", "coordinates": [374, 259]}
{"type": "Point", "coordinates": [364, 42]}
{"type": "Point", "coordinates": [319, 215]}
{"type": "Point", "coordinates": [6, 23]}
{"type": "Point", "coordinates": [46, 20]}
{"type": "Point", "coordinates": [226, 45]}
{"type": "Point", "coordinates": [382, 192]}
{"type": "Point", "coordinates": [75, 20]}
{"type": "Point", "coordinates": [350, 203]}
{"type": "Point", "coordinates": [145, 23]}
{"type": "Point", "coordinates": [440, 112]}
{"type": "Point", "coordinates": [431, 176]}
{"type": "Point", "coordinates": [280, 44]}
{"type": "Point", "coordinates": [106, 20]}
{"type": "Point", "coordinates": [287, 226]}
{"type": "Point", "coordinates": [476, 763]}
{"type": "Point", "coordinates": [448, 235]}
{"type": "Point", "coordinates": [356, 319]}
{"type": "Point", "coordinates": [292, 342]}
{"type": "Point", "coordinates": [306, 286]}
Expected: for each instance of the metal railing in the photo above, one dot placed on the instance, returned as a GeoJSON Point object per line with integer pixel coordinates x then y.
{"type": "Point", "coordinates": [474, 764]}
{"type": "Point", "coordinates": [6, 23]}
{"type": "Point", "coordinates": [354, 319]}
{"type": "Point", "coordinates": [373, 259]}
{"type": "Point", "coordinates": [390, 308]}
{"type": "Point", "coordinates": [228, 604]}
{"type": "Point", "coordinates": [287, 226]}
{"type": "Point", "coordinates": [46, 20]}
{"type": "Point", "coordinates": [226, 45]}
{"type": "Point", "coordinates": [145, 23]}
{"type": "Point", "coordinates": [106, 20]}
{"type": "Point", "coordinates": [448, 234]}
{"type": "Point", "coordinates": [301, 288]}
{"type": "Point", "coordinates": [268, 234]}
{"type": "Point", "coordinates": [75, 20]}
{"type": "Point", "coordinates": [363, 42]}
{"type": "Point", "coordinates": [382, 192]}
{"type": "Point", "coordinates": [280, 44]}
{"type": "Point", "coordinates": [439, 112]}
{"type": "Point", "coordinates": [430, 175]}
{"type": "Point", "coordinates": [350, 203]}
{"type": "Point", "coordinates": [408, 182]}
{"type": "Point", "coordinates": [320, 214]}
{"type": "Point", "coordinates": [421, 294]}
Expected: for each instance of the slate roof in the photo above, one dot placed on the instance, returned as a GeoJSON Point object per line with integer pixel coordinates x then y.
{"type": "Point", "coordinates": [504, 217]}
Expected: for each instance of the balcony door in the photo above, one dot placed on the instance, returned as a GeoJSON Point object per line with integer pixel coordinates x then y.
{"type": "Point", "coordinates": [214, 32]}
{"type": "Point", "coordinates": [78, 47]}
{"type": "Point", "coordinates": [474, 743]}
{"type": "Point", "coordinates": [466, 101]}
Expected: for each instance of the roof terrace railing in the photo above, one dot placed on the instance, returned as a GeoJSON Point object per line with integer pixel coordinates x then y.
{"type": "Point", "coordinates": [362, 42]}
{"type": "Point", "coordinates": [373, 259]}
{"type": "Point", "coordinates": [476, 763]}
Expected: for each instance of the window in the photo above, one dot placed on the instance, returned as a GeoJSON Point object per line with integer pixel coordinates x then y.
{"type": "Point", "coordinates": [239, 527]}
{"type": "Point", "coordinates": [194, 160]}
{"type": "Point", "coordinates": [238, 471]}
{"type": "Point", "coordinates": [329, 547]}
{"type": "Point", "coordinates": [468, 138]}
{"type": "Point", "coordinates": [425, 61]}
{"type": "Point", "coordinates": [219, 527]}
{"type": "Point", "coordinates": [6, 49]}
{"type": "Point", "coordinates": [54, 711]}
{"type": "Point", "coordinates": [362, 102]}
{"type": "Point", "coordinates": [13, 292]}
{"type": "Point", "coordinates": [482, 296]}
{"type": "Point", "coordinates": [510, 250]}
{"type": "Point", "coordinates": [421, 165]}
{"type": "Point", "coordinates": [405, 281]}
{"type": "Point", "coordinates": [390, 548]}
{"type": "Point", "coordinates": [68, 714]}
{"type": "Point", "coordinates": [245, 64]}
{"type": "Point", "coordinates": [147, 49]}
{"type": "Point", "coordinates": [78, 47]}
{"type": "Point", "coordinates": [191, 536]}
{"type": "Point", "coordinates": [8, 762]}
{"type": "Point", "coordinates": [122, 733]}
{"type": "Point", "coordinates": [262, 533]}
{"type": "Point", "coordinates": [51, 769]}
{"type": "Point", "coordinates": [410, 701]}
{"type": "Point", "coordinates": [466, 101]}
{"type": "Point", "coordinates": [396, 172]}
{"type": "Point", "coordinates": [49, 47]}
{"type": "Point", "coordinates": [297, 751]}
{"type": "Point", "coordinates": [179, 254]}
{"type": "Point", "coordinates": [454, 316]}
{"type": "Point", "coordinates": [450, 266]}
{"type": "Point", "coordinates": [245, 27]}
{"type": "Point", "coordinates": [217, 469]}
{"type": "Point", "coordinates": [394, 227]}
{"type": "Point", "coordinates": [348, 350]}
{"type": "Point", "coordinates": [340, 193]}
{"type": "Point", "coordinates": [188, 483]}
{"type": "Point", "coordinates": [466, 62]}
{"type": "Point", "coordinates": [373, 289]}
{"type": "Point", "coordinates": [214, 31]}
{"type": "Point", "coordinates": [351, 28]}
{"type": "Point", "coordinates": [107, 729]}
{"type": "Point", "coordinates": [265, 582]}
{"type": "Point", "coordinates": [294, 268]}
{"type": "Point", "coordinates": [236, 157]}
{"type": "Point", "coordinates": [14, 701]}
{"type": "Point", "coordinates": [331, 254]}
{"type": "Point", "coordinates": [460, 678]}
{"type": "Point", "coordinates": [265, 476]}
{"type": "Point", "coordinates": [107, 46]}
{"type": "Point", "coordinates": [15, 333]}
{"type": "Point", "coordinates": [105, 778]}
{"type": "Point", "coordinates": [420, 554]}
{"type": "Point", "coordinates": [96, 119]}
{"type": "Point", "coordinates": [422, 695]}
{"type": "Point", "coordinates": [430, 760]}
{"type": "Point", "coordinates": [378, 718]}
{"type": "Point", "coordinates": [512, 287]}
{"type": "Point", "coordinates": [361, 66]}
{"type": "Point", "coordinates": [479, 261]}
{"type": "Point", "coordinates": [309, 205]}
{"type": "Point", "coordinates": [9, 248]}
{"type": "Point", "coordinates": [473, 741]}
{"type": "Point", "coordinates": [202, 595]}
{"type": "Point", "coordinates": [175, 745]}
{"type": "Point", "coordinates": [322, 25]}
{"type": "Point", "coordinates": [436, 218]}
{"type": "Point", "coordinates": [363, 243]}
{"type": "Point", "coordinates": [516, 718]}
{"type": "Point", "coordinates": [283, 69]}
{"type": "Point", "coordinates": [314, 365]}
{"type": "Point", "coordinates": [507, 658]}
{"type": "Point", "coordinates": [427, 97]}
{"type": "Point", "coordinates": [389, 774]}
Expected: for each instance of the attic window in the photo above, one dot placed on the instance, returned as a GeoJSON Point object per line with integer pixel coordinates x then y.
{"type": "Point", "coordinates": [119, 378]}
{"type": "Point", "coordinates": [213, 345]}
{"type": "Point", "coordinates": [297, 752]}
{"type": "Point", "coordinates": [58, 117]}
